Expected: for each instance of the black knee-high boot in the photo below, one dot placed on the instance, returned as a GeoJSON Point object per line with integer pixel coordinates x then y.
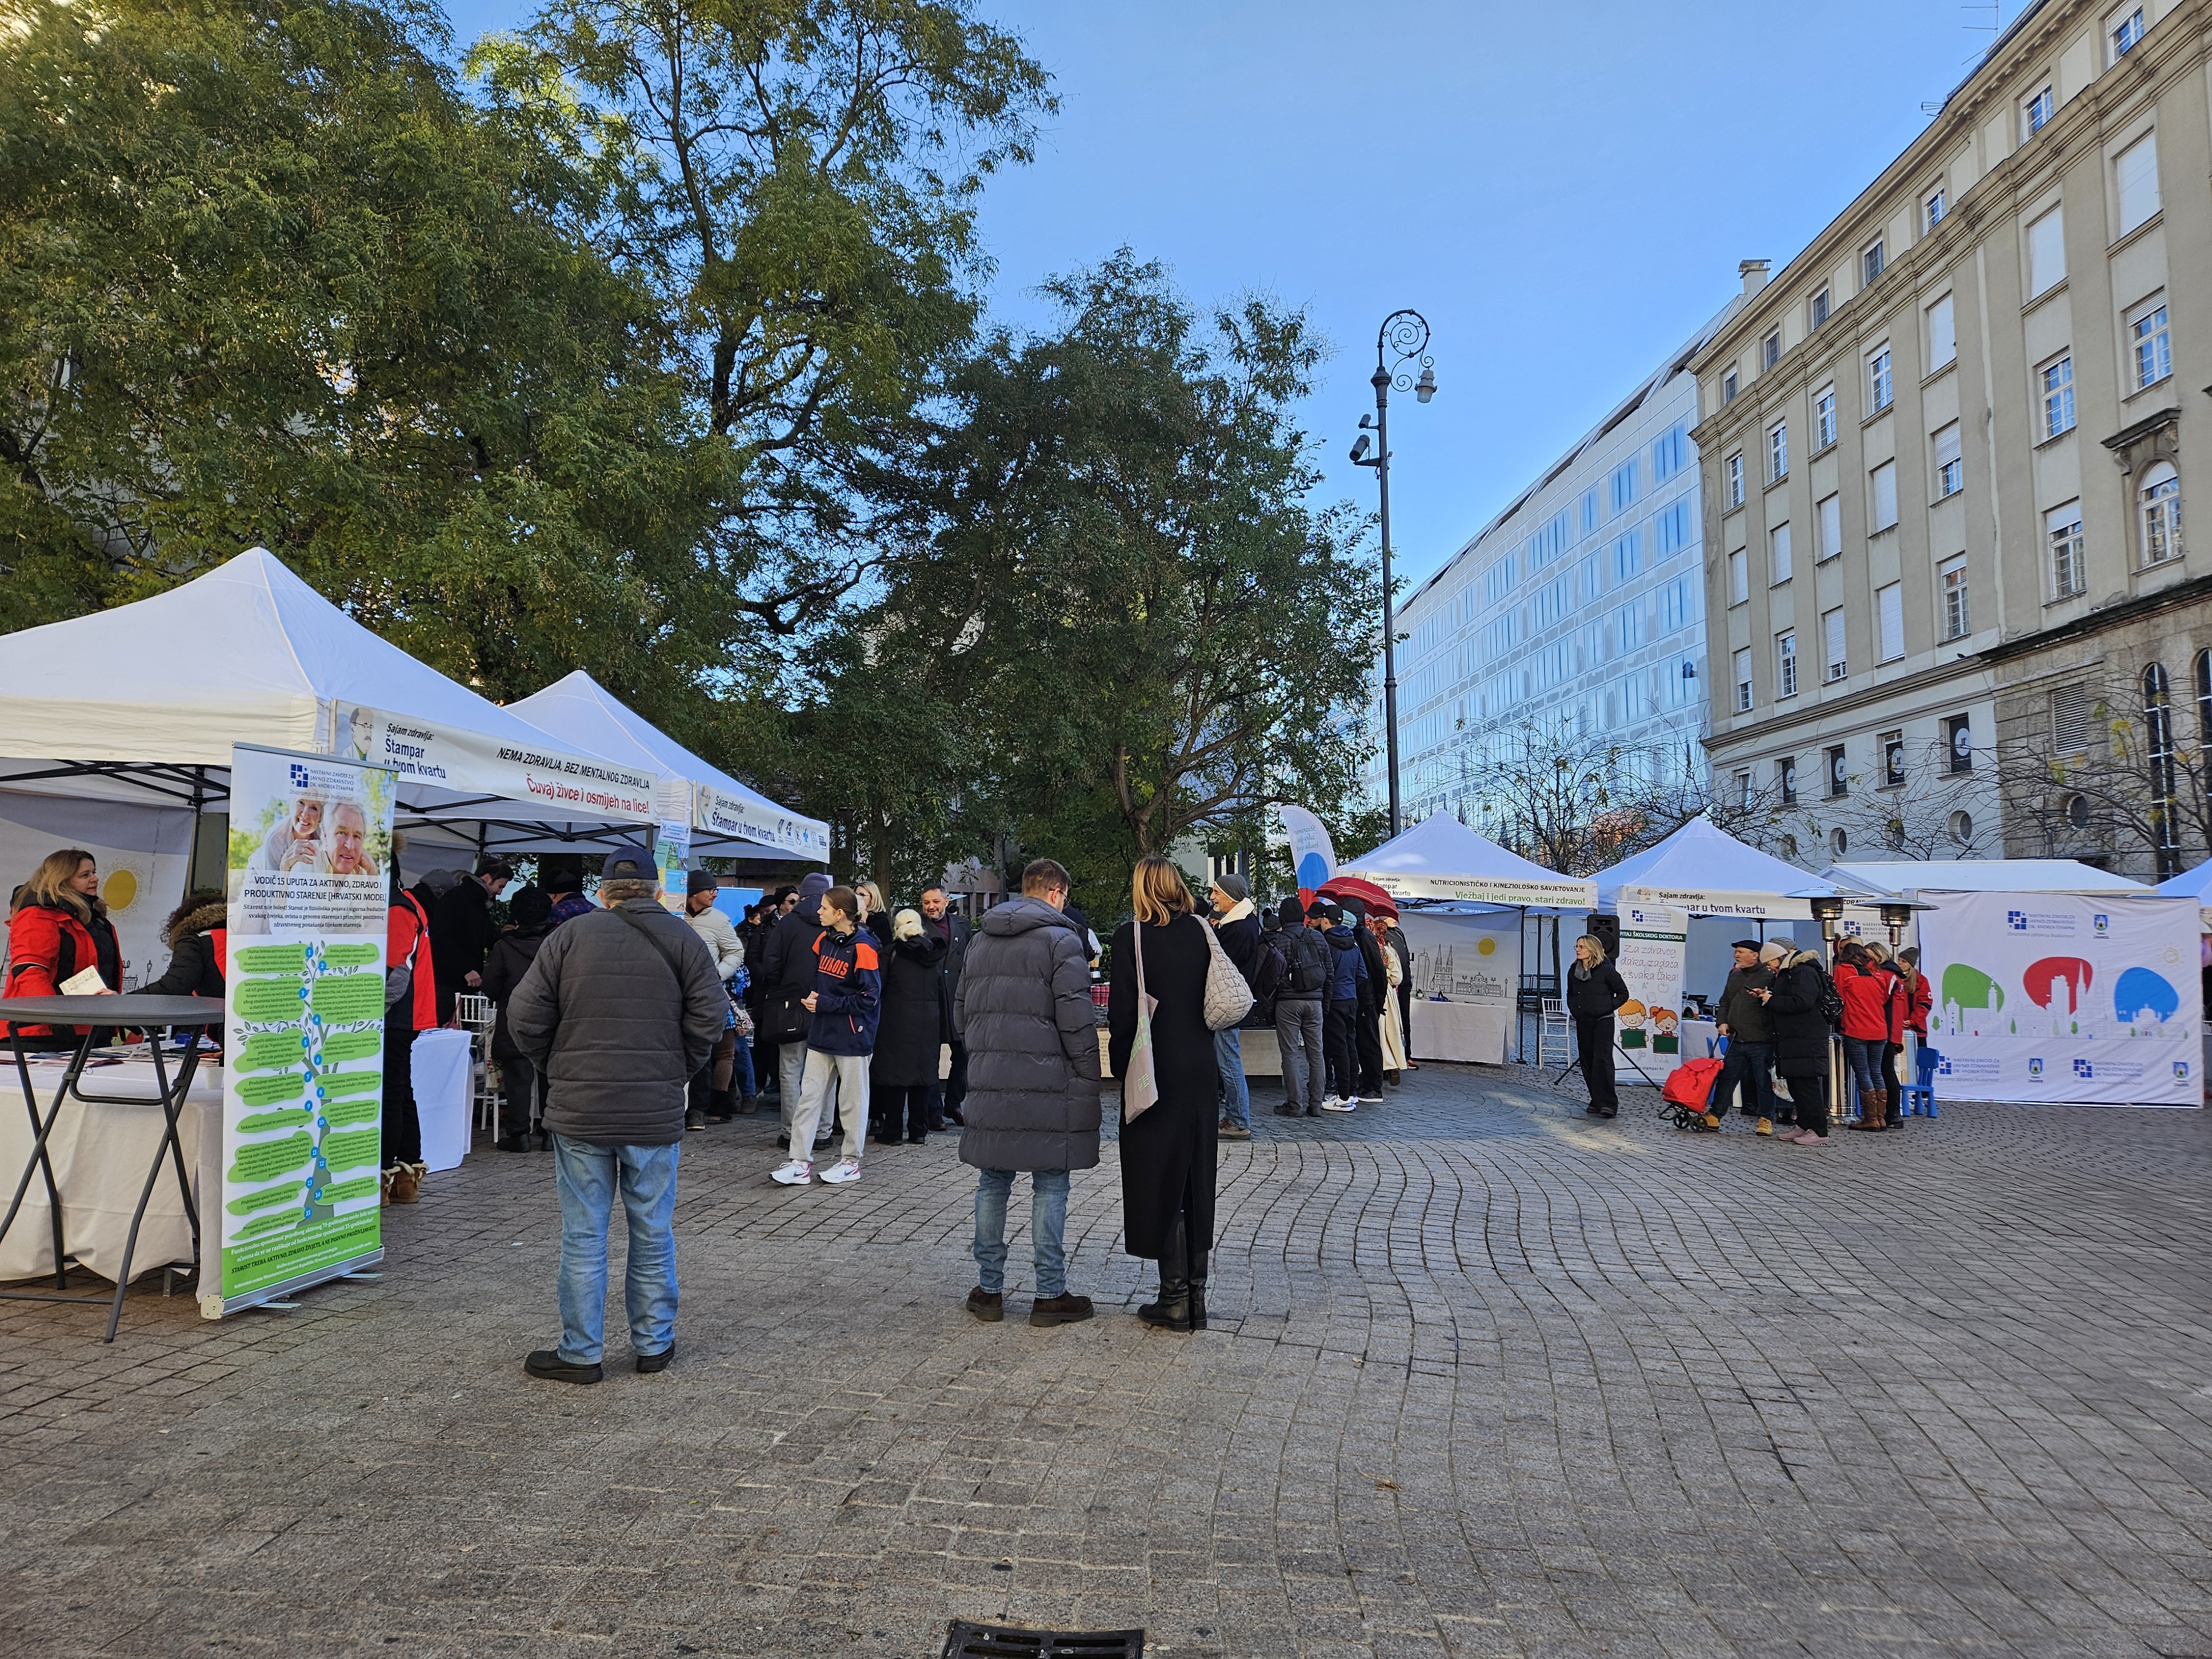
{"type": "Point", "coordinates": [1172, 1311]}
{"type": "Point", "coordinates": [1197, 1289]}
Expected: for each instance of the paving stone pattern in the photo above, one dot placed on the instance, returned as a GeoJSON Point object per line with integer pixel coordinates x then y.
{"type": "Point", "coordinates": [1487, 1377]}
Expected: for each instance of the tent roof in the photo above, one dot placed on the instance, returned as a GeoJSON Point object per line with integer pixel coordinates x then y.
{"type": "Point", "coordinates": [1880, 878]}
{"type": "Point", "coordinates": [246, 654]}
{"type": "Point", "coordinates": [1703, 869]}
{"type": "Point", "coordinates": [578, 709]}
{"type": "Point", "coordinates": [2190, 883]}
{"type": "Point", "coordinates": [1442, 858]}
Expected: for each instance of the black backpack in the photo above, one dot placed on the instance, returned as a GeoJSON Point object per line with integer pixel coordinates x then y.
{"type": "Point", "coordinates": [1309, 967]}
{"type": "Point", "coordinates": [1268, 971]}
{"type": "Point", "coordinates": [1831, 999]}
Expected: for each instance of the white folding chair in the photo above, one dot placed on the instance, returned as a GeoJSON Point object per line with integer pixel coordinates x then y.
{"type": "Point", "coordinates": [475, 1014]}
{"type": "Point", "coordinates": [1555, 1036]}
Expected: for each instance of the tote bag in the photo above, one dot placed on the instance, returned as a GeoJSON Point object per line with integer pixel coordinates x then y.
{"type": "Point", "coordinates": [1228, 997]}
{"type": "Point", "coordinates": [1140, 1085]}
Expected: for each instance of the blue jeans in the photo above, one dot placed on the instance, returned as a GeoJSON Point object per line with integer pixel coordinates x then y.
{"type": "Point", "coordinates": [1235, 1098]}
{"type": "Point", "coordinates": [1047, 1225]}
{"type": "Point", "coordinates": [1746, 1066]}
{"type": "Point", "coordinates": [741, 1067]}
{"type": "Point", "coordinates": [1863, 1058]}
{"type": "Point", "coordinates": [588, 1176]}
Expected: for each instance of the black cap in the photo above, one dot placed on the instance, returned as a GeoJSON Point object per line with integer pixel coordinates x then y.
{"type": "Point", "coordinates": [630, 864]}
{"type": "Point", "coordinates": [1750, 945]}
{"type": "Point", "coordinates": [700, 881]}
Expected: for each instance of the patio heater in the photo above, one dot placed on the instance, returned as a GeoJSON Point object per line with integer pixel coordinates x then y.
{"type": "Point", "coordinates": [1895, 915]}
{"type": "Point", "coordinates": [1828, 911]}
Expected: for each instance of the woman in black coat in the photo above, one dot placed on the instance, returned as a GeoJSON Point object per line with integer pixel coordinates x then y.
{"type": "Point", "coordinates": [508, 961]}
{"type": "Point", "coordinates": [1169, 1154]}
{"type": "Point", "coordinates": [1595, 989]}
{"type": "Point", "coordinates": [1801, 1045]}
{"type": "Point", "coordinates": [904, 1068]}
{"type": "Point", "coordinates": [195, 954]}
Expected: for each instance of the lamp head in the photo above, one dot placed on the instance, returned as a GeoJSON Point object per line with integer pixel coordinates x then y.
{"type": "Point", "coordinates": [1359, 448]}
{"type": "Point", "coordinates": [1896, 914]}
{"type": "Point", "coordinates": [1425, 387]}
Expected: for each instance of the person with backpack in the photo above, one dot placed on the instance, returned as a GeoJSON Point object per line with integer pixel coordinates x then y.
{"type": "Point", "coordinates": [1796, 1002]}
{"type": "Point", "coordinates": [1238, 930]}
{"type": "Point", "coordinates": [1298, 1014]}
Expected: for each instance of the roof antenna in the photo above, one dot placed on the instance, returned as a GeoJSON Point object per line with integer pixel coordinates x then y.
{"type": "Point", "coordinates": [1995, 25]}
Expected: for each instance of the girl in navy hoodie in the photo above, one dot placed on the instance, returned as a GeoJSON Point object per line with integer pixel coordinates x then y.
{"type": "Point", "coordinates": [844, 1008]}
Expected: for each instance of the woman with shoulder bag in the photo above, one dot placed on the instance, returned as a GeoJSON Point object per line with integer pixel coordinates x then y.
{"type": "Point", "coordinates": [1594, 990]}
{"type": "Point", "coordinates": [1169, 1145]}
{"type": "Point", "coordinates": [1801, 1044]}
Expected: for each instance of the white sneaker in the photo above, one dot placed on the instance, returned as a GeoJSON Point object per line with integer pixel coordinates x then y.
{"type": "Point", "coordinates": [797, 1173]}
{"type": "Point", "coordinates": [844, 1169]}
{"type": "Point", "coordinates": [1332, 1104]}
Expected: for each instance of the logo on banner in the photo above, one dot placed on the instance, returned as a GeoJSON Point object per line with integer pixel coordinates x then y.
{"type": "Point", "coordinates": [2054, 924]}
{"type": "Point", "coordinates": [2181, 1070]}
{"type": "Point", "coordinates": [2084, 1069]}
{"type": "Point", "coordinates": [2035, 1067]}
{"type": "Point", "coordinates": [2101, 926]}
{"type": "Point", "coordinates": [299, 775]}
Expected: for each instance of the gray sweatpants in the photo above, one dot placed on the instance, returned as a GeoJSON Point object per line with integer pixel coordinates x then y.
{"type": "Point", "coordinates": [1305, 1065]}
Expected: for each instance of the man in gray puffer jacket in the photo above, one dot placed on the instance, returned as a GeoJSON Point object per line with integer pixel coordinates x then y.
{"type": "Point", "coordinates": [620, 1007]}
{"type": "Point", "coordinates": [1024, 1002]}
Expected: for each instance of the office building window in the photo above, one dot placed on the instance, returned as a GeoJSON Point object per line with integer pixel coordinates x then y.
{"type": "Point", "coordinates": [1892, 759]}
{"type": "Point", "coordinates": [1951, 579]}
{"type": "Point", "coordinates": [2058, 379]}
{"type": "Point", "coordinates": [1879, 389]}
{"type": "Point", "coordinates": [2068, 578]}
{"type": "Point", "coordinates": [1932, 209]}
{"type": "Point", "coordinates": [1786, 654]}
{"type": "Point", "coordinates": [1777, 453]}
{"type": "Point", "coordinates": [1958, 742]}
{"type": "Point", "coordinates": [1870, 262]}
{"type": "Point", "coordinates": [1889, 621]}
{"type": "Point", "coordinates": [2046, 252]}
{"type": "Point", "coordinates": [1590, 510]}
{"type": "Point", "coordinates": [1839, 776]}
{"type": "Point", "coordinates": [1881, 494]}
{"type": "Point", "coordinates": [1670, 528]}
{"type": "Point", "coordinates": [1669, 453]}
{"type": "Point", "coordinates": [2123, 31]}
{"type": "Point", "coordinates": [1950, 471]}
{"type": "Point", "coordinates": [2161, 497]}
{"type": "Point", "coordinates": [1739, 572]}
{"type": "Point", "coordinates": [1831, 509]}
{"type": "Point", "coordinates": [2071, 708]}
{"type": "Point", "coordinates": [1832, 643]}
{"type": "Point", "coordinates": [1624, 486]}
{"type": "Point", "coordinates": [1777, 554]}
{"type": "Point", "coordinates": [1627, 556]}
{"type": "Point", "coordinates": [1785, 777]}
{"type": "Point", "coordinates": [1728, 387]}
{"type": "Point", "coordinates": [1743, 682]}
{"type": "Point", "coordinates": [2148, 340]}
{"type": "Point", "coordinates": [2037, 110]}
{"type": "Point", "coordinates": [1824, 417]}
{"type": "Point", "coordinates": [1675, 606]}
{"type": "Point", "coordinates": [2135, 182]}
{"type": "Point", "coordinates": [1817, 311]}
{"type": "Point", "coordinates": [1732, 476]}
{"type": "Point", "coordinates": [1943, 334]}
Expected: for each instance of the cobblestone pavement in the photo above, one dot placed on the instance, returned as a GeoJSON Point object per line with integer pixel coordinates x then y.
{"type": "Point", "coordinates": [1487, 1378]}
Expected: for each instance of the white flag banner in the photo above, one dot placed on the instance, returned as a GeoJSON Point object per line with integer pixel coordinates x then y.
{"type": "Point", "coordinates": [2060, 998]}
{"type": "Point", "coordinates": [1313, 855]}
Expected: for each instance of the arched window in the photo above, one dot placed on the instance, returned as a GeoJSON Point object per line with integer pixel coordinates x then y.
{"type": "Point", "coordinates": [2204, 697]}
{"type": "Point", "coordinates": [2165, 807]}
{"type": "Point", "coordinates": [2160, 499]}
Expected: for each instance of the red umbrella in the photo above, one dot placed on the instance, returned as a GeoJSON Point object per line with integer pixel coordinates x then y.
{"type": "Point", "coordinates": [1342, 887]}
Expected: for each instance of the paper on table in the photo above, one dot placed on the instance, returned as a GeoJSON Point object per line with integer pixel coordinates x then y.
{"type": "Point", "coordinates": [87, 983]}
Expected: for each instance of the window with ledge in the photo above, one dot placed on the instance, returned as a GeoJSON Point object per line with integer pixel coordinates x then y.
{"type": "Point", "coordinates": [2135, 182]}
{"type": "Point", "coordinates": [1739, 576]}
{"type": "Point", "coordinates": [1871, 261]}
{"type": "Point", "coordinates": [1743, 792]}
{"type": "Point", "coordinates": [1786, 778]}
{"type": "Point", "coordinates": [1831, 511]}
{"type": "Point", "coordinates": [2159, 498]}
{"type": "Point", "coordinates": [1931, 209]}
{"type": "Point", "coordinates": [1778, 452]}
{"type": "Point", "coordinates": [1732, 479]}
{"type": "Point", "coordinates": [1743, 682]}
{"type": "Point", "coordinates": [1728, 387]}
{"type": "Point", "coordinates": [1840, 783]}
{"type": "Point", "coordinates": [1778, 555]}
{"type": "Point", "coordinates": [1951, 579]}
{"type": "Point", "coordinates": [2036, 112]}
{"type": "Point", "coordinates": [1770, 350]}
{"type": "Point", "coordinates": [2062, 525]}
{"type": "Point", "coordinates": [2122, 32]}
{"type": "Point", "coordinates": [2150, 347]}
{"type": "Point", "coordinates": [1889, 621]}
{"type": "Point", "coordinates": [1958, 744]}
{"type": "Point", "coordinates": [1824, 417]}
{"type": "Point", "coordinates": [1785, 663]}
{"type": "Point", "coordinates": [1892, 759]}
{"type": "Point", "coordinates": [2046, 252]}
{"type": "Point", "coordinates": [1950, 470]}
{"type": "Point", "coordinates": [1836, 666]}
{"type": "Point", "coordinates": [1881, 494]}
{"type": "Point", "coordinates": [2056, 378]}
{"type": "Point", "coordinates": [1942, 335]}
{"type": "Point", "coordinates": [1816, 310]}
{"type": "Point", "coordinates": [1880, 389]}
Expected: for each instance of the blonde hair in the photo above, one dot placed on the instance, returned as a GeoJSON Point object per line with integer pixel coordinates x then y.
{"type": "Point", "coordinates": [1157, 892]}
{"type": "Point", "coordinates": [1877, 950]}
{"type": "Point", "coordinates": [1597, 949]}
{"type": "Point", "coordinates": [50, 883]}
{"type": "Point", "coordinates": [873, 894]}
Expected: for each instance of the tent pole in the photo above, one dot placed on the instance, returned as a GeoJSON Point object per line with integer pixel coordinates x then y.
{"type": "Point", "coordinates": [1520, 985]}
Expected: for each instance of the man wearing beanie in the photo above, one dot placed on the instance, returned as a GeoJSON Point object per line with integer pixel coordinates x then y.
{"type": "Point", "coordinates": [617, 1011]}
{"type": "Point", "coordinates": [711, 1094]}
{"type": "Point", "coordinates": [1238, 930]}
{"type": "Point", "coordinates": [1298, 1016]}
{"type": "Point", "coordinates": [789, 968]}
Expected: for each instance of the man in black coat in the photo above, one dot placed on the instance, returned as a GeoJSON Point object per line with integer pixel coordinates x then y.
{"type": "Point", "coordinates": [1238, 930]}
{"type": "Point", "coordinates": [1024, 1002]}
{"type": "Point", "coordinates": [787, 975]}
{"type": "Point", "coordinates": [1367, 1037]}
{"type": "Point", "coordinates": [939, 917]}
{"type": "Point", "coordinates": [462, 930]}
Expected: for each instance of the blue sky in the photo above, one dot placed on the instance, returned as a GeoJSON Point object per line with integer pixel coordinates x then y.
{"type": "Point", "coordinates": [1563, 189]}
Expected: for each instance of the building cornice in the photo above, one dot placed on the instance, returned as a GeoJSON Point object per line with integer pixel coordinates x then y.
{"type": "Point", "coordinates": [2112, 616]}
{"type": "Point", "coordinates": [1776, 725]}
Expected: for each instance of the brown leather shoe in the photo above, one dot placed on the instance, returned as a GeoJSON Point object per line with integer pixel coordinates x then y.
{"type": "Point", "coordinates": [990, 1306]}
{"type": "Point", "coordinates": [1873, 1110]}
{"type": "Point", "coordinates": [1062, 1309]}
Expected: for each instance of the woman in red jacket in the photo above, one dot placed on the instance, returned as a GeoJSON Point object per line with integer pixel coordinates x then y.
{"type": "Point", "coordinates": [1892, 983]}
{"type": "Point", "coordinates": [410, 1005]}
{"type": "Point", "coordinates": [57, 928]}
{"type": "Point", "coordinates": [1866, 1028]}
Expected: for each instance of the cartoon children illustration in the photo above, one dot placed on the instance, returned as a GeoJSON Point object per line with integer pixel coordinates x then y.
{"type": "Point", "coordinates": [1664, 1023]}
{"type": "Point", "coordinates": [1630, 1014]}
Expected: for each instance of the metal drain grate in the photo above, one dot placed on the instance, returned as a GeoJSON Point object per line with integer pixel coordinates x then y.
{"type": "Point", "coordinates": [965, 1641]}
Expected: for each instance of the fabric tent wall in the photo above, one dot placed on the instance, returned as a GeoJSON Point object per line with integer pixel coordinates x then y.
{"type": "Point", "coordinates": [1470, 958]}
{"type": "Point", "coordinates": [144, 852]}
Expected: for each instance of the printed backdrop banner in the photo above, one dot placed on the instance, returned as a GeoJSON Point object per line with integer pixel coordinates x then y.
{"type": "Point", "coordinates": [303, 1078]}
{"type": "Point", "coordinates": [1463, 958]}
{"type": "Point", "coordinates": [142, 853]}
{"type": "Point", "coordinates": [2091, 999]}
{"type": "Point", "coordinates": [671, 851]}
{"type": "Point", "coordinates": [468, 760]}
{"type": "Point", "coordinates": [1313, 855]}
{"type": "Point", "coordinates": [1648, 1028]}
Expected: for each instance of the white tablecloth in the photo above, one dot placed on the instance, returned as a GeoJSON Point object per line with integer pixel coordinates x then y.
{"type": "Point", "coordinates": [1478, 1031]}
{"type": "Point", "coordinates": [101, 1154]}
{"type": "Point", "coordinates": [444, 1070]}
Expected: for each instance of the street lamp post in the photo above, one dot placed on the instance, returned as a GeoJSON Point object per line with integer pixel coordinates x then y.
{"type": "Point", "coordinates": [1400, 344]}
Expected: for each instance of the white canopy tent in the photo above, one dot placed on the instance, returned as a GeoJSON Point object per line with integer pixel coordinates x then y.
{"type": "Point", "coordinates": [1878, 879]}
{"type": "Point", "coordinates": [143, 703]}
{"type": "Point", "coordinates": [1441, 858]}
{"type": "Point", "coordinates": [1703, 870]}
{"type": "Point", "coordinates": [727, 819]}
{"type": "Point", "coordinates": [2193, 883]}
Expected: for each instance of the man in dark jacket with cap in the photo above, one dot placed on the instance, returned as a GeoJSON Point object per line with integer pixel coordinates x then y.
{"type": "Point", "coordinates": [1033, 1072]}
{"type": "Point", "coordinates": [617, 1011]}
{"type": "Point", "coordinates": [787, 972]}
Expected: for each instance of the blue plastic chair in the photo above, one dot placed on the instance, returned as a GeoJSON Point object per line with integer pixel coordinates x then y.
{"type": "Point", "coordinates": [1923, 1091]}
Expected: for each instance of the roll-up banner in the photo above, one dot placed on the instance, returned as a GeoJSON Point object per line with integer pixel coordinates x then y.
{"type": "Point", "coordinates": [474, 764]}
{"type": "Point", "coordinates": [1647, 1027]}
{"type": "Point", "coordinates": [671, 852]}
{"type": "Point", "coordinates": [303, 1029]}
{"type": "Point", "coordinates": [2058, 997]}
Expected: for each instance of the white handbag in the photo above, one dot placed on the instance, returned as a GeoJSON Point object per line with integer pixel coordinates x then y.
{"type": "Point", "coordinates": [1228, 997]}
{"type": "Point", "coordinates": [1140, 1084]}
